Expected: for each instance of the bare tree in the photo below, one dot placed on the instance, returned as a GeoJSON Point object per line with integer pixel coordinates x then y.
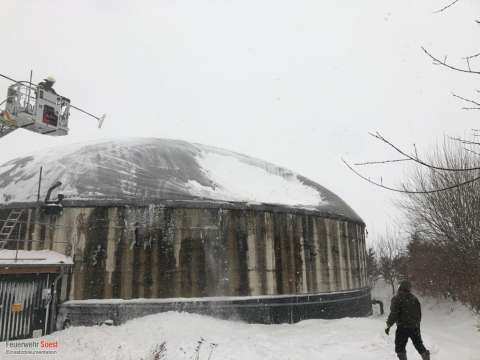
{"type": "Point", "coordinates": [442, 204]}
{"type": "Point", "coordinates": [390, 252]}
{"type": "Point", "coordinates": [449, 221]}
{"type": "Point", "coordinates": [373, 272]}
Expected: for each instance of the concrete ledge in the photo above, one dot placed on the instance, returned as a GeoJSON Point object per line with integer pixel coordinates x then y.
{"type": "Point", "coordinates": [260, 309]}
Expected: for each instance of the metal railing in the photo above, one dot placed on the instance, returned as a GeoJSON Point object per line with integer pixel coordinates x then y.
{"type": "Point", "coordinates": [20, 99]}
{"type": "Point", "coordinates": [25, 97]}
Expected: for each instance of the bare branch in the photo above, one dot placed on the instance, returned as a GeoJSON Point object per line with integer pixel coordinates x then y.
{"type": "Point", "coordinates": [467, 100]}
{"type": "Point", "coordinates": [380, 162]}
{"type": "Point", "coordinates": [446, 7]}
{"type": "Point", "coordinates": [407, 191]}
{"type": "Point", "coordinates": [416, 158]}
{"type": "Point", "coordinates": [472, 56]}
{"type": "Point", "coordinates": [465, 142]}
{"type": "Point", "coordinates": [437, 61]}
{"type": "Point", "coordinates": [471, 151]}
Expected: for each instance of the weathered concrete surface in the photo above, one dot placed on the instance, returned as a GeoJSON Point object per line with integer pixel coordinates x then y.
{"type": "Point", "coordinates": [166, 252]}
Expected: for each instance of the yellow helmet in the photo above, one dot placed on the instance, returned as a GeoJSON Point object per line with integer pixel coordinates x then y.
{"type": "Point", "coordinates": [50, 79]}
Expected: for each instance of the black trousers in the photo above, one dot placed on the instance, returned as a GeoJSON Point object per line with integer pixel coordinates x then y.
{"type": "Point", "coordinates": [401, 338]}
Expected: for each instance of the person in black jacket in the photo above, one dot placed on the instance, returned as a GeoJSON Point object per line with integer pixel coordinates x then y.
{"type": "Point", "coordinates": [406, 312]}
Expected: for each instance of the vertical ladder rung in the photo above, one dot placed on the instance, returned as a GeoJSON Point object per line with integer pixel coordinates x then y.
{"type": "Point", "coordinates": [7, 230]}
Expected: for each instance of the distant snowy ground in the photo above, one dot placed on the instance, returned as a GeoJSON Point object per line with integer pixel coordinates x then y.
{"type": "Point", "coordinates": [449, 331]}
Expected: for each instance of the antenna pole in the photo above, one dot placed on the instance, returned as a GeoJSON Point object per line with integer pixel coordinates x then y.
{"type": "Point", "coordinates": [29, 89]}
{"type": "Point", "coordinates": [39, 184]}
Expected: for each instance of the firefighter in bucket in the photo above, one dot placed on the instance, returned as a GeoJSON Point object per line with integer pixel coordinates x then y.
{"type": "Point", "coordinates": [47, 84]}
{"type": "Point", "coordinates": [37, 108]}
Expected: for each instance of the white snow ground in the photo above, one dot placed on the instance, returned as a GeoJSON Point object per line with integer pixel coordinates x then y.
{"type": "Point", "coordinates": [449, 330]}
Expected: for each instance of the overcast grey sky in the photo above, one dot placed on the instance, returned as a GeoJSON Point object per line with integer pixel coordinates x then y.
{"type": "Point", "coordinates": [297, 83]}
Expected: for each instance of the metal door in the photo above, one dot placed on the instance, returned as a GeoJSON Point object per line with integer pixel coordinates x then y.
{"type": "Point", "coordinates": [22, 309]}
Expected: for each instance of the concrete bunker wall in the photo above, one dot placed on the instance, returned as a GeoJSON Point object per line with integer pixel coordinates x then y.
{"type": "Point", "coordinates": [165, 252]}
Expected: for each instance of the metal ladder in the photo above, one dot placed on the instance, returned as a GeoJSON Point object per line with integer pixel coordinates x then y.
{"type": "Point", "coordinates": [8, 226]}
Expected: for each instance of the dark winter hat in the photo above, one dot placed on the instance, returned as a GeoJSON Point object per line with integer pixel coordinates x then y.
{"type": "Point", "coordinates": [405, 285]}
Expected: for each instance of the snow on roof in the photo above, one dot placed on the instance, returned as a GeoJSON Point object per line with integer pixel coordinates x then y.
{"type": "Point", "coordinates": [31, 257]}
{"type": "Point", "coordinates": [152, 169]}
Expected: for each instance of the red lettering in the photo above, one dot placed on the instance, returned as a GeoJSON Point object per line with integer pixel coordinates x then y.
{"type": "Point", "coordinates": [49, 344]}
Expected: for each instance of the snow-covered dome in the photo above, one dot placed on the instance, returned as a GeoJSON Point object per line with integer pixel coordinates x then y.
{"type": "Point", "coordinates": [153, 170]}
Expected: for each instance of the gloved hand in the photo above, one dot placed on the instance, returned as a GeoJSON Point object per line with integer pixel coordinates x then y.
{"type": "Point", "coordinates": [387, 331]}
